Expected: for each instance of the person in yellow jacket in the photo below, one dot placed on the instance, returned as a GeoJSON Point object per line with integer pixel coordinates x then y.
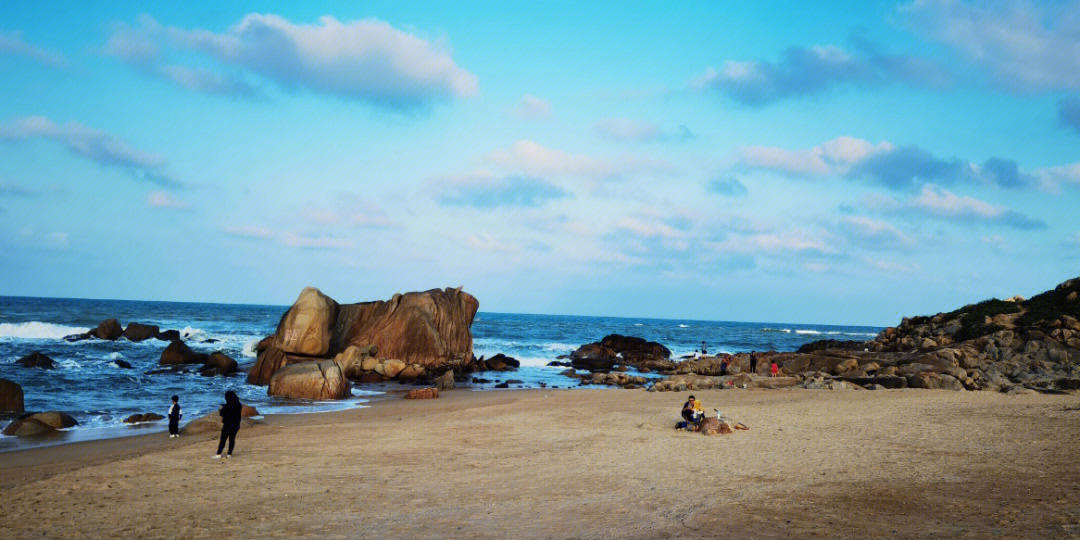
{"type": "Point", "coordinates": [693, 411]}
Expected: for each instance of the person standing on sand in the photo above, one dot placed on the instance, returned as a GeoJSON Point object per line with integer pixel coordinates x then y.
{"type": "Point", "coordinates": [753, 362]}
{"type": "Point", "coordinates": [230, 423]}
{"type": "Point", "coordinates": [174, 417]}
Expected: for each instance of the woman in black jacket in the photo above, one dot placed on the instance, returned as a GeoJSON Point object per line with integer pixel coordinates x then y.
{"type": "Point", "coordinates": [230, 423]}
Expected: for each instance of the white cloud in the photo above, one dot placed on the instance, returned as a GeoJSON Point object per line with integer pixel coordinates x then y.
{"type": "Point", "coordinates": [1026, 46]}
{"type": "Point", "coordinates": [791, 241]}
{"type": "Point", "coordinates": [12, 42]}
{"type": "Point", "coordinates": [314, 241]}
{"type": "Point", "coordinates": [874, 234]}
{"type": "Point", "coordinates": [352, 211]}
{"type": "Point", "coordinates": [366, 59]}
{"type": "Point", "coordinates": [941, 203]}
{"type": "Point", "coordinates": [534, 159]}
{"type": "Point", "coordinates": [944, 203]}
{"type": "Point", "coordinates": [626, 129]}
{"type": "Point", "coordinates": [648, 228]}
{"type": "Point", "coordinates": [89, 143]}
{"type": "Point", "coordinates": [249, 231]}
{"type": "Point", "coordinates": [530, 106]}
{"type": "Point", "coordinates": [900, 167]}
{"type": "Point", "coordinates": [834, 157]}
{"type": "Point", "coordinates": [486, 242]}
{"type": "Point", "coordinates": [161, 199]}
{"type": "Point", "coordinates": [803, 71]}
{"type": "Point", "coordinates": [891, 266]}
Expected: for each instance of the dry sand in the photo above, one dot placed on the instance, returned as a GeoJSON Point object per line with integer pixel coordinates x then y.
{"type": "Point", "coordinates": [580, 464]}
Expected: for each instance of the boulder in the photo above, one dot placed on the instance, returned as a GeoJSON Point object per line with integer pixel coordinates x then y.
{"type": "Point", "coordinates": [321, 380]}
{"type": "Point", "coordinates": [218, 363]}
{"type": "Point", "coordinates": [121, 364]}
{"type": "Point", "coordinates": [109, 329]}
{"type": "Point", "coordinates": [177, 353]}
{"type": "Point", "coordinates": [36, 360]}
{"type": "Point", "coordinates": [30, 425]}
{"type": "Point", "coordinates": [140, 332]}
{"type": "Point", "coordinates": [55, 419]}
{"type": "Point", "coordinates": [168, 335]}
{"type": "Point", "coordinates": [426, 329]}
{"type": "Point", "coordinates": [353, 359]}
{"type": "Point", "coordinates": [390, 368]}
{"type": "Point", "coordinates": [422, 393]}
{"type": "Point", "coordinates": [411, 372]}
{"type": "Point", "coordinates": [306, 327]}
{"type": "Point", "coordinates": [211, 423]}
{"type": "Point", "coordinates": [445, 381]}
{"type": "Point", "coordinates": [593, 357]}
{"type": "Point", "coordinates": [11, 396]}
{"type": "Point", "coordinates": [146, 417]}
{"type": "Point", "coordinates": [431, 328]}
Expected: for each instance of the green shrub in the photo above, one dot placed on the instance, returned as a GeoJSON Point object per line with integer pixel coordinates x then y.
{"type": "Point", "coordinates": [1051, 305]}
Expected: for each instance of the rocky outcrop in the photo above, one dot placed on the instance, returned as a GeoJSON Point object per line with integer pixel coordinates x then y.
{"type": "Point", "coordinates": [306, 327]}
{"type": "Point", "coordinates": [320, 380]}
{"type": "Point", "coordinates": [616, 349]}
{"type": "Point", "coordinates": [211, 423]}
{"type": "Point", "coordinates": [145, 417]}
{"type": "Point", "coordinates": [413, 336]}
{"type": "Point", "coordinates": [11, 396]}
{"type": "Point", "coordinates": [422, 393]}
{"type": "Point", "coordinates": [36, 360]}
{"type": "Point", "coordinates": [445, 381]}
{"type": "Point", "coordinates": [177, 353]}
{"type": "Point", "coordinates": [140, 332]}
{"type": "Point", "coordinates": [109, 329]}
{"type": "Point", "coordinates": [218, 363]}
{"type": "Point", "coordinates": [30, 425]}
{"type": "Point", "coordinates": [1010, 345]}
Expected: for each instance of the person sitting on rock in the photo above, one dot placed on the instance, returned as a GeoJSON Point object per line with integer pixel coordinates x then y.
{"type": "Point", "coordinates": [692, 411]}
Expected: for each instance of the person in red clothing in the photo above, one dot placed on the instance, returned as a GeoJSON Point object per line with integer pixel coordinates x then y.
{"type": "Point", "coordinates": [774, 369]}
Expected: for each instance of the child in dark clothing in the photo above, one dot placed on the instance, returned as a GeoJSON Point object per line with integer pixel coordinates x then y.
{"type": "Point", "coordinates": [174, 417]}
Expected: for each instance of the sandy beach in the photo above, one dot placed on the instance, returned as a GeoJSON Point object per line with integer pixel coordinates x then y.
{"type": "Point", "coordinates": [580, 464]}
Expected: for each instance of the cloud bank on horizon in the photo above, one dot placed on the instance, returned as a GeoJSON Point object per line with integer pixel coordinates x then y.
{"type": "Point", "coordinates": [725, 162]}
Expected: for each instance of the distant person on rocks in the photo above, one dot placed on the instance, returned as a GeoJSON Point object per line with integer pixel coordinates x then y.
{"type": "Point", "coordinates": [774, 370]}
{"type": "Point", "coordinates": [230, 423]}
{"type": "Point", "coordinates": [174, 417]}
{"type": "Point", "coordinates": [703, 350]}
{"type": "Point", "coordinates": [753, 362]}
{"type": "Point", "coordinates": [723, 367]}
{"type": "Point", "coordinates": [693, 412]}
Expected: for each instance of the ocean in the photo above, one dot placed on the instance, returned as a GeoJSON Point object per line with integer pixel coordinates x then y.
{"type": "Point", "coordinates": [88, 384]}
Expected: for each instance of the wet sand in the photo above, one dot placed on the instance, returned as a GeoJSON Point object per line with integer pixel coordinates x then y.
{"type": "Point", "coordinates": [580, 464]}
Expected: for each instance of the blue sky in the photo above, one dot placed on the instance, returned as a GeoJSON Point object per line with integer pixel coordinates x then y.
{"type": "Point", "coordinates": [847, 163]}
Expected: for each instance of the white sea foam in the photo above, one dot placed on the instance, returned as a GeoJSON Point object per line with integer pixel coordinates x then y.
{"type": "Point", "coordinates": [38, 330]}
{"type": "Point", "coordinates": [192, 333]}
{"type": "Point", "coordinates": [808, 332]}
{"type": "Point", "coordinates": [559, 347]}
{"type": "Point", "coordinates": [115, 356]}
{"type": "Point", "coordinates": [249, 349]}
{"type": "Point", "coordinates": [683, 326]}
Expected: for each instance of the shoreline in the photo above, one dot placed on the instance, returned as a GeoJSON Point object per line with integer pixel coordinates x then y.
{"type": "Point", "coordinates": [568, 464]}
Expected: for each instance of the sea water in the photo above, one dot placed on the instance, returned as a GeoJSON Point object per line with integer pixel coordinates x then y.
{"type": "Point", "coordinates": [88, 384]}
